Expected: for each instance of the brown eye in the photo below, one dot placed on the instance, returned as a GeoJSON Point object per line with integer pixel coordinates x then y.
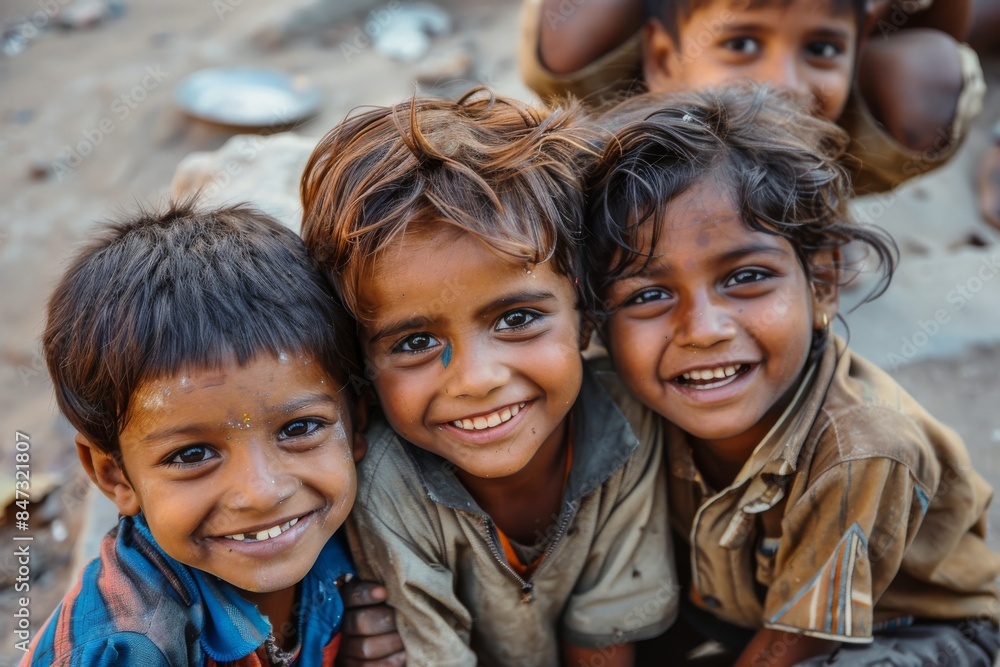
{"type": "Point", "coordinates": [516, 319]}
{"type": "Point", "coordinates": [416, 343]}
{"type": "Point", "coordinates": [191, 455]}
{"type": "Point", "coordinates": [298, 428]}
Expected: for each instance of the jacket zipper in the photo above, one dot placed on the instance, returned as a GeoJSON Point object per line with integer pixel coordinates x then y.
{"type": "Point", "coordinates": [527, 587]}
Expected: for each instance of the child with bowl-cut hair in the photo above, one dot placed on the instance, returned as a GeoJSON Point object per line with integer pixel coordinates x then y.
{"type": "Point", "coordinates": [828, 517]}
{"type": "Point", "coordinates": [513, 511]}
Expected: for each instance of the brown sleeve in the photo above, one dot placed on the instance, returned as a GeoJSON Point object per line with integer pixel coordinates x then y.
{"type": "Point", "coordinates": [842, 543]}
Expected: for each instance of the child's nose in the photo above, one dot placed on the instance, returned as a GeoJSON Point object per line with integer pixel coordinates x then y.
{"type": "Point", "coordinates": [475, 370]}
{"type": "Point", "coordinates": [704, 323]}
{"type": "Point", "coordinates": [783, 70]}
{"type": "Point", "coordinates": [259, 481]}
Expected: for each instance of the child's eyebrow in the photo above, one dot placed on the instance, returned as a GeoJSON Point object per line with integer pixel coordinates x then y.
{"type": "Point", "coordinates": [304, 401]}
{"type": "Point", "coordinates": [394, 327]}
{"type": "Point", "coordinates": [505, 301]}
{"type": "Point", "coordinates": [743, 251]}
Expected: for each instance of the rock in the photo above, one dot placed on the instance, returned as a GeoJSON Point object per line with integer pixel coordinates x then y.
{"type": "Point", "coordinates": [405, 35]}
{"type": "Point", "coordinates": [82, 14]}
{"type": "Point", "coordinates": [262, 170]}
{"type": "Point", "coordinates": [443, 67]}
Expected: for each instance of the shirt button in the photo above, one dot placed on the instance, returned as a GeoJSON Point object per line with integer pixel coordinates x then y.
{"type": "Point", "coordinates": [711, 602]}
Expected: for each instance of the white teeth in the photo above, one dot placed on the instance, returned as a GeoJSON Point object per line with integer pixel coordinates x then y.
{"type": "Point", "coordinates": [489, 421]}
{"type": "Point", "coordinates": [711, 373]}
{"type": "Point", "coordinates": [267, 534]}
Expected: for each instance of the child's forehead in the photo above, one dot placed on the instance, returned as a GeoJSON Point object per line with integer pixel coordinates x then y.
{"type": "Point", "coordinates": [823, 7]}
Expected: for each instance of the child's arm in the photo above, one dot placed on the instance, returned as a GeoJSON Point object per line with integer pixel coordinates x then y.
{"type": "Point", "coordinates": [570, 40]}
{"type": "Point", "coordinates": [949, 16]}
{"type": "Point", "coordinates": [776, 648]}
{"type": "Point", "coordinates": [619, 655]}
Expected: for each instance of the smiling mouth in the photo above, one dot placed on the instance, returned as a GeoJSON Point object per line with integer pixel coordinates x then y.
{"type": "Point", "coordinates": [712, 378]}
{"type": "Point", "coordinates": [488, 421]}
{"type": "Point", "coordinates": [263, 535]}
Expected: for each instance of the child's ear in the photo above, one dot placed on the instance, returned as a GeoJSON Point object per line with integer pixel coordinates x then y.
{"type": "Point", "coordinates": [359, 422]}
{"type": "Point", "coordinates": [107, 473]}
{"type": "Point", "coordinates": [660, 57]}
{"type": "Point", "coordinates": [825, 286]}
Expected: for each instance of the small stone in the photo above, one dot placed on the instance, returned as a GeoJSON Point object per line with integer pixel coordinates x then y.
{"type": "Point", "coordinates": [444, 66]}
{"type": "Point", "coordinates": [81, 14]}
{"type": "Point", "coordinates": [39, 170]}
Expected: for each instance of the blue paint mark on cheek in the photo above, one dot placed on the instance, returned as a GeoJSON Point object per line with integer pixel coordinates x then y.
{"type": "Point", "coordinates": [446, 355]}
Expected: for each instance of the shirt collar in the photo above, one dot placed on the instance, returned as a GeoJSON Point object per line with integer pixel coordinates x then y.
{"type": "Point", "coordinates": [777, 455]}
{"type": "Point", "coordinates": [231, 627]}
{"type": "Point", "coordinates": [597, 423]}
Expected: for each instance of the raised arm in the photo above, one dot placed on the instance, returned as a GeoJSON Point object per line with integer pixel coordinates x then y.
{"type": "Point", "coordinates": [949, 16]}
{"type": "Point", "coordinates": [574, 34]}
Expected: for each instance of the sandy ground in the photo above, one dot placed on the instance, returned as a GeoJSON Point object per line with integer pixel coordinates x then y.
{"type": "Point", "coordinates": [87, 125]}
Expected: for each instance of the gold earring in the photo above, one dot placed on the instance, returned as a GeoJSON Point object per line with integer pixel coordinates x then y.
{"type": "Point", "coordinates": [826, 321]}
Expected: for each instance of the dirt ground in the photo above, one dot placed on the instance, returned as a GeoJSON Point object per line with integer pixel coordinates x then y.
{"type": "Point", "coordinates": [88, 126]}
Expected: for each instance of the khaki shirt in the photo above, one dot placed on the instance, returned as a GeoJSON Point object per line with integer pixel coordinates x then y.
{"type": "Point", "coordinates": [607, 576]}
{"type": "Point", "coordinates": [857, 512]}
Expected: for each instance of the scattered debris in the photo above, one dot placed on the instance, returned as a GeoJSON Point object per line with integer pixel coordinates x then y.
{"type": "Point", "coordinates": [16, 35]}
{"type": "Point", "coordinates": [407, 36]}
{"type": "Point", "coordinates": [443, 67]}
{"type": "Point", "coordinates": [88, 13]}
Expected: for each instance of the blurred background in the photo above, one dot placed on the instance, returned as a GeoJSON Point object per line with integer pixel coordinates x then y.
{"type": "Point", "coordinates": [98, 112]}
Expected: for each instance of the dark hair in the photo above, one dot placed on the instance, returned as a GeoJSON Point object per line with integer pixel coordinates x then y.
{"type": "Point", "coordinates": [161, 291]}
{"type": "Point", "coordinates": [506, 172]}
{"type": "Point", "coordinates": [781, 165]}
{"type": "Point", "coordinates": [672, 13]}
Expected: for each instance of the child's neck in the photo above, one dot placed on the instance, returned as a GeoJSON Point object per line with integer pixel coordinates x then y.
{"type": "Point", "coordinates": [524, 505]}
{"type": "Point", "coordinates": [279, 608]}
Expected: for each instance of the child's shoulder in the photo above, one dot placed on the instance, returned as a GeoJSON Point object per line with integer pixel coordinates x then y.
{"type": "Point", "coordinates": [866, 414]}
{"type": "Point", "coordinates": [400, 479]}
{"type": "Point", "coordinates": [127, 602]}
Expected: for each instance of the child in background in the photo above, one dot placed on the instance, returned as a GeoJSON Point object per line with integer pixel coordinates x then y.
{"type": "Point", "coordinates": [505, 501]}
{"type": "Point", "coordinates": [907, 109]}
{"type": "Point", "coordinates": [203, 359]}
{"type": "Point", "coordinates": [827, 515]}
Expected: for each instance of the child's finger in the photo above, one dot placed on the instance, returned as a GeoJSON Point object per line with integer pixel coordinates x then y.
{"type": "Point", "coordinates": [370, 621]}
{"type": "Point", "coordinates": [384, 649]}
{"type": "Point", "coordinates": [356, 593]}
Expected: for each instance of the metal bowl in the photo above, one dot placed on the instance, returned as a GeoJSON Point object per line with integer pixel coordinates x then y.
{"type": "Point", "coordinates": [248, 97]}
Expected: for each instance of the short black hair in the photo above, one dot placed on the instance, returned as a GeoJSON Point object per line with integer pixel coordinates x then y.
{"type": "Point", "coordinates": [163, 290]}
{"type": "Point", "coordinates": [783, 168]}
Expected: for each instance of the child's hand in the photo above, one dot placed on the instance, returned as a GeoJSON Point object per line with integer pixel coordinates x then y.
{"type": "Point", "coordinates": [368, 634]}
